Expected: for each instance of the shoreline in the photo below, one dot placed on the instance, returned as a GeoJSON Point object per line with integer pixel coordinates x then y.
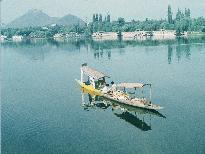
{"type": "Point", "coordinates": [112, 36]}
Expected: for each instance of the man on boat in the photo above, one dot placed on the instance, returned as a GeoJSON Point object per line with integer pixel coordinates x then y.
{"type": "Point", "coordinates": [105, 89]}
{"type": "Point", "coordinates": [113, 86]}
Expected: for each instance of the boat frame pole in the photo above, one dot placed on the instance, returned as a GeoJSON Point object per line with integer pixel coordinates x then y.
{"type": "Point", "coordinates": [83, 99]}
{"type": "Point", "coordinates": [81, 74]}
{"type": "Point", "coordinates": [150, 92]}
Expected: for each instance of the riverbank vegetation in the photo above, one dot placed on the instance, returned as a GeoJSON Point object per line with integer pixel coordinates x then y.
{"type": "Point", "coordinates": [180, 23]}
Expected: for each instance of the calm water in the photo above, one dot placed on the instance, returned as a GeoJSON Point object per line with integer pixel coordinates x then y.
{"type": "Point", "coordinates": [41, 102]}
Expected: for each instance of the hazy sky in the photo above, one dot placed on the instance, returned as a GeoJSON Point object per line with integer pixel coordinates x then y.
{"type": "Point", "coordinates": [129, 9]}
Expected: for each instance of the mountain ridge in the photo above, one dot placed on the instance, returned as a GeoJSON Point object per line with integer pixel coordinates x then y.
{"type": "Point", "coordinates": [35, 18]}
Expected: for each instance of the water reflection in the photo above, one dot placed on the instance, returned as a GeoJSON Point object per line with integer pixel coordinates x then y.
{"type": "Point", "coordinates": [180, 50]}
{"type": "Point", "coordinates": [125, 112]}
{"type": "Point", "coordinates": [101, 53]}
{"type": "Point", "coordinates": [132, 119]}
{"type": "Point", "coordinates": [180, 47]}
{"type": "Point", "coordinates": [170, 53]}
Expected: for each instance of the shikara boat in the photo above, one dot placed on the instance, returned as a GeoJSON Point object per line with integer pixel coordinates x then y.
{"type": "Point", "coordinates": [96, 82]}
{"type": "Point", "coordinates": [135, 116]}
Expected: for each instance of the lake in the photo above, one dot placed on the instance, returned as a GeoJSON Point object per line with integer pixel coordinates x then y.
{"type": "Point", "coordinates": [41, 102]}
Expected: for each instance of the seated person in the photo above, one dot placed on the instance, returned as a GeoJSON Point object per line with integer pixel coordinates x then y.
{"type": "Point", "coordinates": [105, 89]}
{"type": "Point", "coordinates": [113, 87]}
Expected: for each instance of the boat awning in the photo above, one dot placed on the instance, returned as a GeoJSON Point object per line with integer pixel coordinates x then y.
{"type": "Point", "coordinates": [130, 85]}
{"type": "Point", "coordinates": [93, 73]}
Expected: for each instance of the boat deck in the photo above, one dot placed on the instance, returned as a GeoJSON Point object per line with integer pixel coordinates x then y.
{"type": "Point", "coordinates": [125, 99]}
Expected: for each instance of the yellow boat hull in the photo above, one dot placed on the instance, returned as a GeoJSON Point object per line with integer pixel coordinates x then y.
{"type": "Point", "coordinates": [89, 88]}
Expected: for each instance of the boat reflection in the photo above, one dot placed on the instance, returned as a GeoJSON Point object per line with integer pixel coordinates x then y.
{"type": "Point", "coordinates": [125, 112]}
{"type": "Point", "coordinates": [132, 119]}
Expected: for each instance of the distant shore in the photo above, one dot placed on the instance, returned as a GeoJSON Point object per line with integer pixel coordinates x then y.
{"type": "Point", "coordinates": [106, 36]}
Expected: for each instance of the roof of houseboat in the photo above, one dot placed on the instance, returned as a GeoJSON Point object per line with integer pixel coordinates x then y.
{"type": "Point", "coordinates": [130, 85]}
{"type": "Point", "coordinates": [93, 73]}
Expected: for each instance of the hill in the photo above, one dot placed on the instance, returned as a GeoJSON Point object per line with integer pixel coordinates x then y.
{"type": "Point", "coordinates": [34, 18]}
{"type": "Point", "coordinates": [70, 20]}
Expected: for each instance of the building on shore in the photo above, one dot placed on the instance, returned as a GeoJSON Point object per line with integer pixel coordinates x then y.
{"type": "Point", "coordinates": [105, 35]}
{"type": "Point", "coordinates": [45, 28]}
{"type": "Point", "coordinates": [61, 37]}
{"type": "Point", "coordinates": [73, 35]}
{"type": "Point", "coordinates": [161, 34]}
{"type": "Point", "coordinates": [68, 35]}
{"type": "Point", "coordinates": [156, 35]}
{"type": "Point", "coordinates": [17, 38]}
{"type": "Point", "coordinates": [58, 35]}
{"type": "Point", "coordinates": [164, 34]}
{"type": "Point", "coordinates": [136, 35]}
{"type": "Point", "coordinates": [2, 38]}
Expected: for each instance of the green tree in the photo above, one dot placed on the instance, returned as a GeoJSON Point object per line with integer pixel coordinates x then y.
{"type": "Point", "coordinates": [107, 27]}
{"type": "Point", "coordinates": [178, 29]}
{"type": "Point", "coordinates": [95, 27]}
{"type": "Point", "coordinates": [105, 20]}
{"type": "Point", "coordinates": [179, 15]}
{"type": "Point", "coordinates": [121, 21]}
{"type": "Point", "coordinates": [203, 29]}
{"type": "Point", "coordinates": [100, 18]}
{"type": "Point", "coordinates": [187, 13]}
{"type": "Point", "coordinates": [169, 14]}
{"type": "Point", "coordinates": [93, 17]}
{"type": "Point", "coordinates": [96, 17]}
{"type": "Point", "coordinates": [108, 18]}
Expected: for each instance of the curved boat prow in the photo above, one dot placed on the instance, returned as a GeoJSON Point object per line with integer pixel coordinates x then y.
{"type": "Point", "coordinates": [88, 87]}
{"type": "Point", "coordinates": [79, 82]}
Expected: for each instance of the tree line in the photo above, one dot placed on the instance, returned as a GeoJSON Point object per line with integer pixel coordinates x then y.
{"type": "Point", "coordinates": [181, 22]}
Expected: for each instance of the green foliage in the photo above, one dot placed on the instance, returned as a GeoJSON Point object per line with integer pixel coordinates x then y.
{"type": "Point", "coordinates": [182, 22]}
{"type": "Point", "coordinates": [42, 32]}
{"type": "Point", "coordinates": [93, 17]}
{"type": "Point", "coordinates": [179, 15]}
{"type": "Point", "coordinates": [100, 18]}
{"type": "Point", "coordinates": [108, 18]}
{"type": "Point", "coordinates": [187, 13]}
{"type": "Point", "coordinates": [121, 21]}
{"type": "Point", "coordinates": [169, 14]}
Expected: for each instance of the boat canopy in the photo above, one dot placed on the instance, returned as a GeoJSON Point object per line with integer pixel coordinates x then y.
{"type": "Point", "coordinates": [92, 72]}
{"type": "Point", "coordinates": [131, 85]}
